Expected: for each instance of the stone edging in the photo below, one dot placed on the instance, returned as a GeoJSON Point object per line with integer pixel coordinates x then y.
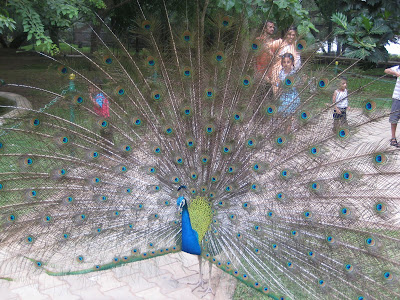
{"type": "Point", "coordinates": [20, 102]}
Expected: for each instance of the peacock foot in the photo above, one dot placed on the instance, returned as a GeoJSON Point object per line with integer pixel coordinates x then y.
{"type": "Point", "coordinates": [198, 284]}
{"type": "Point", "coordinates": [208, 291]}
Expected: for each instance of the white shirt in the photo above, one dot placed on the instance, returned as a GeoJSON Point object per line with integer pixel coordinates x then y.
{"type": "Point", "coordinates": [396, 92]}
{"type": "Point", "coordinates": [341, 99]}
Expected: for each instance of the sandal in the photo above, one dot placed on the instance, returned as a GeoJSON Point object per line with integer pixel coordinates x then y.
{"type": "Point", "coordinates": [393, 142]}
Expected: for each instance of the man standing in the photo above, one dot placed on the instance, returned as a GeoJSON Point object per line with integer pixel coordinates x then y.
{"type": "Point", "coordinates": [395, 112]}
{"type": "Point", "coordinates": [263, 60]}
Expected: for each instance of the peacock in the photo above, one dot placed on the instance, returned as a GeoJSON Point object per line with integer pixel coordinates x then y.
{"type": "Point", "coordinates": [187, 146]}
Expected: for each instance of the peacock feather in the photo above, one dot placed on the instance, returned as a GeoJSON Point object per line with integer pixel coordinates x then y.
{"type": "Point", "coordinates": [274, 197]}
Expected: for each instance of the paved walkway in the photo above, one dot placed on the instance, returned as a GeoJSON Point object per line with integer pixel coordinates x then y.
{"type": "Point", "coordinates": [166, 277]}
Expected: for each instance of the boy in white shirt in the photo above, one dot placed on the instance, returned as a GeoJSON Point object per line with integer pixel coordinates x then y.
{"type": "Point", "coordinates": [341, 105]}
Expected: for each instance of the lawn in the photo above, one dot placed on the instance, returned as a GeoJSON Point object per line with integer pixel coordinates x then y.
{"type": "Point", "coordinates": [64, 48]}
{"type": "Point", "coordinates": [362, 86]}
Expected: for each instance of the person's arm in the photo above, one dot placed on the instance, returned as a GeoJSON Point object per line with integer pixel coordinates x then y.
{"type": "Point", "coordinates": [273, 46]}
{"type": "Point", "coordinates": [275, 87]}
{"type": "Point", "coordinates": [92, 98]}
{"type": "Point", "coordinates": [334, 102]}
{"type": "Point", "coordinates": [348, 101]}
{"type": "Point", "coordinates": [297, 62]}
{"type": "Point", "coordinates": [334, 97]}
{"type": "Point", "coordinates": [392, 71]}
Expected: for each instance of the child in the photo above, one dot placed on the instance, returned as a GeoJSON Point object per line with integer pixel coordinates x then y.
{"type": "Point", "coordinates": [289, 97]}
{"type": "Point", "coordinates": [101, 108]}
{"type": "Point", "coordinates": [341, 103]}
{"type": "Point", "coordinates": [100, 102]}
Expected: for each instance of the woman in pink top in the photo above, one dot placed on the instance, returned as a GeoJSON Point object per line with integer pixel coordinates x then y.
{"type": "Point", "coordinates": [280, 47]}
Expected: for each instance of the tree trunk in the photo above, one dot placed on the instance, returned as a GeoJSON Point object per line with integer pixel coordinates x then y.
{"type": "Point", "coordinates": [344, 46]}
{"type": "Point", "coordinates": [111, 5]}
{"type": "Point", "coordinates": [339, 47]}
{"type": "Point", "coordinates": [3, 41]}
{"type": "Point", "coordinates": [330, 39]}
{"type": "Point", "coordinates": [94, 40]}
{"type": "Point", "coordinates": [18, 40]}
{"type": "Point", "coordinates": [54, 35]}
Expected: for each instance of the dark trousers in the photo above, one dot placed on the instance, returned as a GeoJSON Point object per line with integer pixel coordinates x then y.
{"type": "Point", "coordinates": [339, 120]}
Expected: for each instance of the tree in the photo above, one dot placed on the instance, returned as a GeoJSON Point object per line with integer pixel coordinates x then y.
{"type": "Point", "coordinates": [284, 12]}
{"type": "Point", "coordinates": [5, 23]}
{"type": "Point", "coordinates": [320, 13]}
{"type": "Point", "coordinates": [372, 25]}
{"type": "Point", "coordinates": [373, 22]}
{"type": "Point", "coordinates": [36, 17]}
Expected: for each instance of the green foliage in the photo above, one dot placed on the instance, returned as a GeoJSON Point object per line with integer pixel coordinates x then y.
{"type": "Point", "coordinates": [32, 23]}
{"type": "Point", "coordinates": [243, 292]}
{"type": "Point", "coordinates": [6, 278]}
{"type": "Point", "coordinates": [364, 36]}
{"type": "Point", "coordinates": [372, 25]}
{"type": "Point", "coordinates": [64, 48]}
{"type": "Point", "coordinates": [37, 16]}
{"type": "Point", "coordinates": [284, 12]}
{"type": "Point", "coordinates": [6, 21]}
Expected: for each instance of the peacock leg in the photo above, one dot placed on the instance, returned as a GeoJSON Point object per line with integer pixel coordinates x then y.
{"type": "Point", "coordinates": [200, 282]}
{"type": "Point", "coordinates": [209, 289]}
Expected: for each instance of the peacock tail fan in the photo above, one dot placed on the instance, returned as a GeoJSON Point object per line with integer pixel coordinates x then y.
{"type": "Point", "coordinates": [279, 200]}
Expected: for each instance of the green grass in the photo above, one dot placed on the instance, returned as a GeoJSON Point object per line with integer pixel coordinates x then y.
{"type": "Point", "coordinates": [243, 292]}
{"type": "Point", "coordinates": [361, 86]}
{"type": "Point", "coordinates": [64, 48]}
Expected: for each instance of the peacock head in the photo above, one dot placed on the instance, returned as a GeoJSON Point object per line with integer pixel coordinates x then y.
{"type": "Point", "coordinates": [181, 201]}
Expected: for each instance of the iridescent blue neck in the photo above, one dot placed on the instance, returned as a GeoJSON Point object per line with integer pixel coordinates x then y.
{"type": "Point", "coordinates": [190, 242]}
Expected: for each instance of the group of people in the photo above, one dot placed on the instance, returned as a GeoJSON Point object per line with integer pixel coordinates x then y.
{"type": "Point", "coordinates": [278, 61]}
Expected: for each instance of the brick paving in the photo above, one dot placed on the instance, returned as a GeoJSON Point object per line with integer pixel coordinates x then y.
{"type": "Point", "coordinates": [165, 277]}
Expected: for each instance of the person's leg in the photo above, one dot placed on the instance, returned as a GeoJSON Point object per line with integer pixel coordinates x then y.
{"type": "Point", "coordinates": [393, 127]}
{"type": "Point", "coordinates": [393, 119]}
{"type": "Point", "coordinates": [335, 121]}
{"type": "Point", "coordinates": [344, 118]}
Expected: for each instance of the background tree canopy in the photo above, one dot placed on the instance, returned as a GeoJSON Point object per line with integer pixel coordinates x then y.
{"type": "Point", "coordinates": [361, 29]}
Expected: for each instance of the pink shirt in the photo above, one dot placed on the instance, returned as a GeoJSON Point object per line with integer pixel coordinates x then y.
{"type": "Point", "coordinates": [101, 106]}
